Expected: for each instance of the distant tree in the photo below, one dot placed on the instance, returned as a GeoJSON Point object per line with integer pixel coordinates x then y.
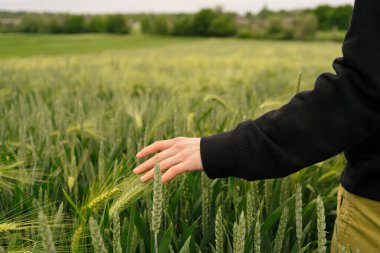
{"type": "Point", "coordinates": [275, 28]}
{"type": "Point", "coordinates": [74, 24]}
{"type": "Point", "coordinates": [202, 22]}
{"type": "Point", "coordinates": [341, 17]}
{"type": "Point", "coordinates": [155, 24]}
{"type": "Point", "coordinates": [30, 23]}
{"type": "Point", "coordinates": [265, 12]}
{"type": "Point", "coordinates": [183, 25]}
{"type": "Point", "coordinates": [146, 23]}
{"type": "Point", "coordinates": [56, 24]}
{"type": "Point", "coordinates": [305, 26]}
{"type": "Point", "coordinates": [160, 25]}
{"type": "Point", "coordinates": [300, 24]}
{"type": "Point", "coordinates": [248, 15]}
{"type": "Point", "coordinates": [96, 24]}
{"type": "Point", "coordinates": [223, 25]}
{"type": "Point", "coordinates": [116, 24]}
{"type": "Point", "coordinates": [330, 17]}
{"type": "Point", "coordinates": [324, 14]}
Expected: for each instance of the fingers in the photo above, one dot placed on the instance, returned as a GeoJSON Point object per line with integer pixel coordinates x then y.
{"type": "Point", "coordinates": [173, 172]}
{"type": "Point", "coordinates": [157, 146]}
{"type": "Point", "coordinates": [171, 161]}
{"type": "Point", "coordinates": [157, 158]}
{"type": "Point", "coordinates": [172, 158]}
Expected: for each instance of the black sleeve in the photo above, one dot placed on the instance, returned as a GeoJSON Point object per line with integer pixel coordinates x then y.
{"type": "Point", "coordinates": [342, 110]}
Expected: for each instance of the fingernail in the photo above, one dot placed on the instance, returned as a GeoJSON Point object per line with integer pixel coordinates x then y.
{"type": "Point", "coordinates": [138, 154]}
{"type": "Point", "coordinates": [134, 170]}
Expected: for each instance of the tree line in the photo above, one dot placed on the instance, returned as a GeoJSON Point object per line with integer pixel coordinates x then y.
{"type": "Point", "coordinates": [63, 23]}
{"type": "Point", "coordinates": [296, 24]}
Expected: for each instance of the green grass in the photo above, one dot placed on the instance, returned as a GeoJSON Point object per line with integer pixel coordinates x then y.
{"type": "Point", "coordinates": [331, 35]}
{"type": "Point", "coordinates": [74, 111]}
{"type": "Point", "coordinates": [28, 45]}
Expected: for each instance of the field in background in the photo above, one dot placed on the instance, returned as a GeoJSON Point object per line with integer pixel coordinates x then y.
{"type": "Point", "coordinates": [74, 110]}
{"type": "Point", "coordinates": [28, 45]}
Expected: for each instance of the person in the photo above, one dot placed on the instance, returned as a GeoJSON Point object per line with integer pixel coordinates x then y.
{"type": "Point", "coordinates": [340, 114]}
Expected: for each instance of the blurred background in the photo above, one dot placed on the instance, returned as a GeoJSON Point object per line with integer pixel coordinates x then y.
{"type": "Point", "coordinates": [84, 85]}
{"type": "Point", "coordinates": [316, 19]}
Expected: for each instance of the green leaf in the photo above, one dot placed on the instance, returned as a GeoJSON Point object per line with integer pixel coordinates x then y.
{"type": "Point", "coordinates": [131, 228]}
{"type": "Point", "coordinates": [105, 217]}
{"type": "Point", "coordinates": [165, 241]}
{"type": "Point", "coordinates": [306, 247]}
{"type": "Point", "coordinates": [304, 233]}
{"type": "Point", "coordinates": [274, 216]}
{"type": "Point", "coordinates": [276, 194]}
{"type": "Point", "coordinates": [79, 212]}
{"type": "Point", "coordinates": [186, 246]}
{"type": "Point", "coordinates": [143, 232]}
{"type": "Point", "coordinates": [188, 230]}
{"type": "Point", "coordinates": [209, 233]}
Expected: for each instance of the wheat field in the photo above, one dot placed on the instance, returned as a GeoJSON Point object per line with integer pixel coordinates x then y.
{"type": "Point", "coordinates": [72, 122]}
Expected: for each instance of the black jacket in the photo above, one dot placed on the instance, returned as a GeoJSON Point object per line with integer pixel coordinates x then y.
{"type": "Point", "coordinates": [341, 113]}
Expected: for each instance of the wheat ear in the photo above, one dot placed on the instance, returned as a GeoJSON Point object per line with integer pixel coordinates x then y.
{"type": "Point", "coordinates": [219, 231]}
{"type": "Point", "coordinates": [281, 231]}
{"type": "Point", "coordinates": [321, 226]}
{"type": "Point", "coordinates": [96, 237]}
{"type": "Point", "coordinates": [257, 234]}
{"type": "Point", "coordinates": [298, 213]}
{"type": "Point", "coordinates": [116, 234]}
{"type": "Point", "coordinates": [157, 203]}
{"type": "Point", "coordinates": [45, 232]}
{"type": "Point", "coordinates": [239, 234]}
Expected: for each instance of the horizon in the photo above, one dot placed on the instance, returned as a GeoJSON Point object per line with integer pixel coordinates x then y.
{"type": "Point", "coordinates": [163, 7]}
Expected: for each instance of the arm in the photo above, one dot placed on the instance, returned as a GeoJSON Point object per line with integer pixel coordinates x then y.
{"type": "Point", "coordinates": [340, 111]}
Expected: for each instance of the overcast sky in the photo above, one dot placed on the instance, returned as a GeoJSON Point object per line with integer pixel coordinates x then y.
{"type": "Point", "coordinates": [133, 6]}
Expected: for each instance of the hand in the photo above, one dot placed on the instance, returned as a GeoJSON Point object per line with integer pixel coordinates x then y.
{"type": "Point", "coordinates": [177, 156]}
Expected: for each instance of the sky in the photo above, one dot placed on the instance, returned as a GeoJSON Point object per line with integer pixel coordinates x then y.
{"type": "Point", "coordinates": [157, 6]}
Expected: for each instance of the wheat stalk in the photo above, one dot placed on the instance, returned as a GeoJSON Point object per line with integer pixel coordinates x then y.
{"type": "Point", "coordinates": [281, 231]}
{"type": "Point", "coordinates": [235, 193]}
{"type": "Point", "coordinates": [45, 232]}
{"type": "Point", "coordinates": [255, 191]}
{"type": "Point", "coordinates": [142, 245]}
{"type": "Point", "coordinates": [257, 235]}
{"type": "Point", "coordinates": [71, 182]}
{"type": "Point", "coordinates": [268, 191]}
{"type": "Point", "coordinates": [321, 226]}
{"type": "Point", "coordinates": [133, 191]}
{"type": "Point", "coordinates": [219, 231]}
{"type": "Point", "coordinates": [135, 240]}
{"type": "Point", "coordinates": [239, 234]}
{"type": "Point", "coordinates": [205, 202]}
{"type": "Point", "coordinates": [95, 203]}
{"type": "Point", "coordinates": [284, 194]}
{"type": "Point", "coordinates": [157, 203]}
{"type": "Point", "coordinates": [8, 226]}
{"type": "Point", "coordinates": [59, 216]}
{"type": "Point", "coordinates": [58, 222]}
{"type": "Point", "coordinates": [116, 234]}
{"type": "Point", "coordinates": [298, 213]}
{"type": "Point", "coordinates": [185, 197]}
{"type": "Point", "coordinates": [96, 237]}
{"type": "Point", "coordinates": [250, 209]}
{"type": "Point", "coordinates": [75, 240]}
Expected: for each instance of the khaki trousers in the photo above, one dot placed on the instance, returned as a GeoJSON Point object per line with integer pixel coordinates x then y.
{"type": "Point", "coordinates": [357, 226]}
